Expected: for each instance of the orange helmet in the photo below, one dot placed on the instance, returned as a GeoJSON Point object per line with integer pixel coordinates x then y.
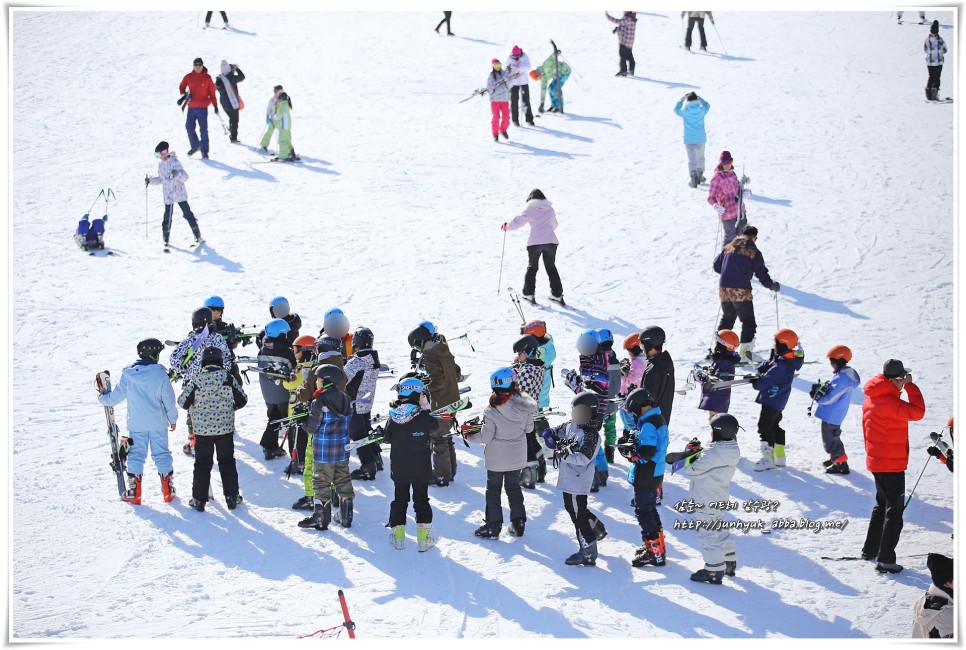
{"type": "Point", "coordinates": [304, 341]}
{"type": "Point", "coordinates": [949, 423]}
{"type": "Point", "coordinates": [787, 337]}
{"type": "Point", "coordinates": [536, 327]}
{"type": "Point", "coordinates": [839, 352]}
{"type": "Point", "coordinates": [728, 339]}
{"type": "Point", "coordinates": [632, 341]}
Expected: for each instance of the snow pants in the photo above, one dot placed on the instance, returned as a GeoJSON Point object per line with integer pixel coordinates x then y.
{"type": "Point", "coordinates": [197, 118]}
{"type": "Point", "coordinates": [326, 475]}
{"type": "Point", "coordinates": [444, 451]}
{"type": "Point", "coordinates": [285, 138]}
{"type": "Point", "coordinates": [359, 425]}
{"type": "Point", "coordinates": [768, 429]}
{"type": "Point", "coordinates": [692, 21]}
{"type": "Point", "coordinates": [935, 71]}
{"type": "Point", "coordinates": [885, 525]}
{"type": "Point", "coordinates": [733, 228]}
{"type": "Point", "coordinates": [549, 254]}
{"type": "Point", "coordinates": [269, 439]}
{"type": "Point", "coordinates": [745, 310]}
{"type": "Point", "coordinates": [267, 136]}
{"type": "Point", "coordinates": [645, 508]}
{"type": "Point", "coordinates": [205, 449]}
{"type": "Point", "coordinates": [501, 117]}
{"type": "Point", "coordinates": [626, 57]}
{"type": "Point", "coordinates": [186, 213]}
{"type": "Point", "coordinates": [576, 506]}
{"type": "Point", "coordinates": [556, 92]}
{"type": "Point", "coordinates": [518, 93]}
{"type": "Point", "coordinates": [224, 16]}
{"type": "Point", "coordinates": [717, 546]}
{"type": "Point", "coordinates": [832, 440]}
{"type": "Point", "coordinates": [158, 442]}
{"type": "Point", "coordinates": [696, 158]}
{"type": "Point", "coordinates": [232, 114]}
{"type": "Point", "coordinates": [400, 503]}
{"type": "Point", "coordinates": [496, 483]}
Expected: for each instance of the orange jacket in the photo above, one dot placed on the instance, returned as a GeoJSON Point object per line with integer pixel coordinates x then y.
{"type": "Point", "coordinates": [201, 87]}
{"type": "Point", "coordinates": [885, 423]}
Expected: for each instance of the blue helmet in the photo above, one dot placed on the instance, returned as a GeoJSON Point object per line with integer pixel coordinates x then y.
{"type": "Point", "coordinates": [604, 335]}
{"type": "Point", "coordinates": [587, 342]}
{"type": "Point", "coordinates": [279, 307]}
{"type": "Point", "coordinates": [215, 302]}
{"type": "Point", "coordinates": [430, 327]}
{"type": "Point", "coordinates": [410, 385]}
{"type": "Point", "coordinates": [502, 378]}
{"type": "Point", "coordinates": [335, 323]}
{"type": "Point", "coordinates": [277, 328]}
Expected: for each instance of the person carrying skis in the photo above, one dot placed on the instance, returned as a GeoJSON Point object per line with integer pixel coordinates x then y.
{"type": "Point", "coordinates": [696, 18]}
{"type": "Point", "coordinates": [497, 86]}
{"type": "Point", "coordinates": [547, 74]}
{"type": "Point", "coordinates": [227, 86]}
{"type": "Point", "coordinates": [546, 352]}
{"type": "Point", "coordinates": [198, 92]}
{"type": "Point", "coordinates": [518, 65]}
{"type": "Point", "coordinates": [723, 360]}
{"type": "Point", "coordinates": [172, 176]}
{"type": "Point", "coordinates": [833, 405]}
{"type": "Point", "coordinates": [151, 413]}
{"type": "Point", "coordinates": [691, 109]}
{"type": "Point", "coordinates": [725, 194]}
{"type": "Point", "coordinates": [279, 308]}
{"type": "Point", "coordinates": [542, 242]}
{"type": "Point", "coordinates": [530, 375]}
{"type": "Point", "coordinates": [275, 355]}
{"type": "Point", "coordinates": [774, 386]}
{"type": "Point", "coordinates": [935, 48]}
{"type": "Point", "coordinates": [593, 376]}
{"type": "Point", "coordinates": [932, 615]}
{"type": "Point", "coordinates": [362, 371]}
{"type": "Point", "coordinates": [626, 26]}
{"type": "Point", "coordinates": [211, 398]}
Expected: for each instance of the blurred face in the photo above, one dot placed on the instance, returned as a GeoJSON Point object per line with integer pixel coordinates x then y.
{"type": "Point", "coordinates": [581, 414]}
{"type": "Point", "coordinates": [520, 357]}
{"type": "Point", "coordinates": [216, 313]}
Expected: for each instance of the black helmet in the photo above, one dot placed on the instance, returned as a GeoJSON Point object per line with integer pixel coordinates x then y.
{"type": "Point", "coordinates": [200, 319]}
{"type": "Point", "coordinates": [150, 349]}
{"type": "Point", "coordinates": [724, 426]}
{"type": "Point", "coordinates": [330, 374]}
{"type": "Point", "coordinates": [419, 336]}
{"type": "Point", "coordinates": [212, 356]}
{"type": "Point", "coordinates": [527, 345]}
{"type": "Point", "coordinates": [362, 339]}
{"type": "Point", "coordinates": [327, 344]}
{"type": "Point", "coordinates": [652, 336]}
{"type": "Point", "coordinates": [637, 399]}
{"type": "Point", "coordinates": [586, 398]}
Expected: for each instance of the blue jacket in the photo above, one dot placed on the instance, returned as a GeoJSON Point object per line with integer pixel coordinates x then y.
{"type": "Point", "coordinates": [548, 353]}
{"type": "Point", "coordinates": [150, 397]}
{"type": "Point", "coordinates": [693, 116]}
{"type": "Point", "coordinates": [835, 405]}
{"type": "Point", "coordinates": [651, 437]}
{"type": "Point", "coordinates": [329, 420]}
{"type": "Point", "coordinates": [775, 384]}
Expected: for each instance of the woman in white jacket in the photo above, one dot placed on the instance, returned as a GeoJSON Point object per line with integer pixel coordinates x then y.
{"type": "Point", "coordinates": [172, 176]}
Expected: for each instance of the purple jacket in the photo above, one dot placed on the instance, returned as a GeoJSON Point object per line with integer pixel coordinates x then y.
{"type": "Point", "coordinates": [736, 263]}
{"type": "Point", "coordinates": [542, 219]}
{"type": "Point", "coordinates": [722, 367]}
{"type": "Point", "coordinates": [594, 372]}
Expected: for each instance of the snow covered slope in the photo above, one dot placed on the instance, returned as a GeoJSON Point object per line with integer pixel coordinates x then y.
{"type": "Point", "coordinates": [394, 215]}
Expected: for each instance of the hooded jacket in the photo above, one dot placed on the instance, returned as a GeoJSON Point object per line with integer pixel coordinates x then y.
{"type": "Point", "coordinates": [171, 176]}
{"type": "Point", "coordinates": [711, 475]}
{"type": "Point", "coordinates": [651, 440]}
{"type": "Point", "coordinates": [835, 405]}
{"type": "Point", "coordinates": [444, 373]}
{"type": "Point", "coordinates": [737, 262]}
{"type": "Point", "coordinates": [659, 381]}
{"type": "Point", "coordinates": [329, 420]}
{"type": "Point", "coordinates": [504, 434]}
{"type": "Point", "coordinates": [409, 432]}
{"type": "Point", "coordinates": [774, 386]}
{"type": "Point", "coordinates": [540, 215]}
{"type": "Point", "coordinates": [519, 67]}
{"type": "Point", "coordinates": [498, 86]}
{"type": "Point", "coordinates": [932, 615]}
{"type": "Point", "coordinates": [211, 399]}
{"type": "Point", "coordinates": [575, 473]}
{"type": "Point", "coordinates": [530, 377]}
{"type": "Point", "coordinates": [186, 358]}
{"type": "Point", "coordinates": [693, 112]}
{"type": "Point", "coordinates": [149, 395]}
{"type": "Point", "coordinates": [722, 367]}
{"type": "Point", "coordinates": [362, 371]}
{"type": "Point", "coordinates": [885, 423]}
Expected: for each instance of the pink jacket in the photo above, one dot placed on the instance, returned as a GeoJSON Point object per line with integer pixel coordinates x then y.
{"type": "Point", "coordinates": [635, 374]}
{"type": "Point", "coordinates": [542, 219]}
{"type": "Point", "coordinates": [724, 191]}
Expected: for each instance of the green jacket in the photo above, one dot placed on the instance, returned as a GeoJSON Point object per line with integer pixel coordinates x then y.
{"type": "Point", "coordinates": [548, 70]}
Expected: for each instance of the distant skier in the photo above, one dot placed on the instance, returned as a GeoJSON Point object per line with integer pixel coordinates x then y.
{"type": "Point", "coordinates": [270, 124]}
{"type": "Point", "coordinates": [691, 109]}
{"type": "Point", "coordinates": [198, 89]}
{"type": "Point", "coordinates": [725, 194]}
{"type": "Point", "coordinates": [227, 85]}
{"type": "Point", "coordinates": [90, 234]}
{"type": "Point", "coordinates": [542, 242]}
{"type": "Point", "coordinates": [833, 406]}
{"type": "Point", "coordinates": [626, 26]}
{"type": "Point", "coordinates": [447, 15]}
{"type": "Point", "coordinates": [922, 17]}
{"type": "Point", "coordinates": [172, 176]}
{"type": "Point", "coordinates": [497, 85]}
{"type": "Point", "coordinates": [935, 48]}
{"type": "Point", "coordinates": [519, 66]}
{"type": "Point", "coordinates": [696, 18]}
{"type": "Point", "coordinates": [224, 17]}
{"type": "Point", "coordinates": [547, 75]}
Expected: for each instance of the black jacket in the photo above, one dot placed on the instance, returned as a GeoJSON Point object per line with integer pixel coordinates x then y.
{"type": "Point", "coordinates": [234, 78]}
{"type": "Point", "coordinates": [659, 382]}
{"type": "Point", "coordinates": [411, 454]}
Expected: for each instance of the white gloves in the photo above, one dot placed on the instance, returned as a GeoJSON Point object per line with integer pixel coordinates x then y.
{"type": "Point", "coordinates": [718, 208]}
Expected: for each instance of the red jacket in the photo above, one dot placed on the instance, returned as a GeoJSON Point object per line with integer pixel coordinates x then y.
{"type": "Point", "coordinates": [885, 424]}
{"type": "Point", "coordinates": [202, 89]}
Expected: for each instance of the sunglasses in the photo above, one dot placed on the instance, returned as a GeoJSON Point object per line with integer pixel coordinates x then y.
{"type": "Point", "coordinates": [158, 154]}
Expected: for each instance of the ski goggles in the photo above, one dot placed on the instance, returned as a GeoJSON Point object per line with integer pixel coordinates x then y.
{"type": "Point", "coordinates": [158, 154]}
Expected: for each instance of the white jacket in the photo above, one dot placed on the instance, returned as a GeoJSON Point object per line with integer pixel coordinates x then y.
{"type": "Point", "coordinates": [519, 70]}
{"type": "Point", "coordinates": [171, 176]}
{"type": "Point", "coordinates": [575, 473]}
{"type": "Point", "coordinates": [711, 475]}
{"type": "Point", "coordinates": [504, 433]}
{"type": "Point", "coordinates": [925, 620]}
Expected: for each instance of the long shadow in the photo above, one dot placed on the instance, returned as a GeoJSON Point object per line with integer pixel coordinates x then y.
{"type": "Point", "coordinates": [818, 303]}
{"type": "Point", "coordinates": [645, 13]}
{"type": "Point", "coordinates": [588, 321]}
{"type": "Point", "coordinates": [587, 118]}
{"type": "Point", "coordinates": [475, 40]}
{"type": "Point", "coordinates": [544, 152]}
{"type": "Point", "coordinates": [235, 171]}
{"type": "Point", "coordinates": [666, 84]}
{"type": "Point", "coordinates": [205, 253]}
{"type": "Point", "coordinates": [241, 32]}
{"type": "Point", "coordinates": [564, 134]}
{"type": "Point", "coordinates": [725, 57]}
{"type": "Point", "coordinates": [764, 199]}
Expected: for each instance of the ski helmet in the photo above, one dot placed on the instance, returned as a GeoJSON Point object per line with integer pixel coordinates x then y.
{"type": "Point", "coordinates": [330, 374]}
{"type": "Point", "coordinates": [335, 323]}
{"type": "Point", "coordinates": [528, 345]}
{"type": "Point", "coordinates": [150, 349]}
{"type": "Point", "coordinates": [362, 339]}
{"type": "Point", "coordinates": [419, 336]}
{"type": "Point", "coordinates": [632, 341]}
{"type": "Point", "coordinates": [200, 319]}
{"type": "Point", "coordinates": [279, 307]}
{"type": "Point", "coordinates": [410, 385]}
{"type": "Point", "coordinates": [328, 344]}
{"type": "Point", "coordinates": [652, 336]}
{"type": "Point", "coordinates": [604, 336]}
{"type": "Point", "coordinates": [215, 302]}
{"type": "Point", "coordinates": [276, 328]}
{"type": "Point", "coordinates": [785, 341]}
{"type": "Point", "coordinates": [304, 342]}
{"type": "Point", "coordinates": [728, 339]}
{"type": "Point", "coordinates": [839, 352]}
{"type": "Point", "coordinates": [587, 342]}
{"type": "Point", "coordinates": [586, 398]}
{"type": "Point", "coordinates": [724, 426]}
{"type": "Point", "coordinates": [429, 327]}
{"type": "Point", "coordinates": [502, 378]}
{"type": "Point", "coordinates": [536, 327]}
{"type": "Point", "coordinates": [212, 356]}
{"type": "Point", "coordinates": [637, 399]}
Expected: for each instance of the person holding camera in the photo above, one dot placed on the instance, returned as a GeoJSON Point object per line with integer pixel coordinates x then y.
{"type": "Point", "coordinates": [227, 85]}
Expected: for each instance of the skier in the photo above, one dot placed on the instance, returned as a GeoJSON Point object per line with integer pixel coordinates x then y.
{"type": "Point", "coordinates": [737, 262]}
{"type": "Point", "coordinates": [447, 15]}
{"type": "Point", "coordinates": [211, 398]}
{"type": "Point", "coordinates": [228, 331]}
{"type": "Point", "coordinates": [691, 109]}
{"type": "Point", "coordinates": [546, 352]}
{"type": "Point", "coordinates": [696, 18]}
{"type": "Point", "coordinates": [497, 85]}
{"type": "Point", "coordinates": [224, 17]}
{"type": "Point", "coordinates": [606, 340]}
{"type": "Point", "coordinates": [506, 422]}
{"type": "Point", "coordinates": [710, 475]}
{"type": "Point", "coordinates": [593, 376]}
{"type": "Point", "coordinates": [275, 353]}
{"type": "Point", "coordinates": [935, 48]}
{"type": "Point", "coordinates": [774, 385]}
{"type": "Point", "coordinates": [530, 375]}
{"type": "Point", "coordinates": [947, 458]}
{"type": "Point", "coordinates": [270, 114]}
{"type": "Point", "coordinates": [542, 242]}
{"type": "Point", "coordinates": [283, 122]}
{"type": "Point", "coordinates": [933, 616]}
{"type": "Point", "coordinates": [833, 405]}
{"type": "Point", "coordinates": [329, 423]}
{"type": "Point", "coordinates": [280, 308]}
{"type": "Point", "coordinates": [90, 234]}
{"type": "Point", "coordinates": [632, 368]}
{"type": "Point", "coordinates": [335, 324]}
{"type": "Point", "coordinates": [723, 360]}
{"type": "Point", "coordinates": [885, 428]}
{"type": "Point", "coordinates": [518, 65]}
{"type": "Point", "coordinates": [198, 91]}
{"type": "Point", "coordinates": [408, 432]}
{"type": "Point", "coordinates": [151, 413]}
{"type": "Point", "coordinates": [658, 376]}
{"type": "Point", "coordinates": [227, 85]}
{"type": "Point", "coordinates": [922, 17]}
{"type": "Point", "coordinates": [626, 26]}
{"type": "Point", "coordinates": [574, 443]}
{"type": "Point", "coordinates": [725, 194]}
{"type": "Point", "coordinates": [172, 176]}
{"type": "Point", "coordinates": [362, 371]}
{"type": "Point", "coordinates": [645, 446]}
{"type": "Point", "coordinates": [547, 74]}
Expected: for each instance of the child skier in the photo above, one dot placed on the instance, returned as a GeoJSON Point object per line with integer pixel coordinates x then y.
{"type": "Point", "coordinates": [632, 368]}
{"type": "Point", "coordinates": [933, 613]}
{"type": "Point", "coordinates": [723, 196]}
{"type": "Point", "coordinates": [833, 405]}
{"type": "Point", "coordinates": [710, 476]}
{"type": "Point", "coordinates": [90, 234]}
{"type": "Point", "coordinates": [547, 353]}
{"type": "Point", "coordinates": [691, 109]}
{"type": "Point", "coordinates": [172, 176]}
{"type": "Point", "coordinates": [606, 342]}
{"type": "Point", "coordinates": [305, 362]}
{"type": "Point", "coordinates": [594, 376]}
{"type": "Point", "coordinates": [275, 354]}
{"type": "Point", "coordinates": [151, 413]}
{"type": "Point", "coordinates": [362, 371]}
{"type": "Point", "coordinates": [529, 371]}
{"type": "Point", "coordinates": [723, 360]}
{"type": "Point", "coordinates": [658, 376]}
{"type": "Point", "coordinates": [506, 422]}
{"type": "Point", "coordinates": [497, 85]}
{"type": "Point", "coordinates": [774, 386]}
{"type": "Point", "coordinates": [408, 432]}
{"type": "Point", "coordinates": [329, 423]}
{"type": "Point", "coordinates": [211, 398]}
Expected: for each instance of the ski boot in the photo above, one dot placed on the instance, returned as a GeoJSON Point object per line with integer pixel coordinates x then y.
{"type": "Point", "coordinates": [694, 179]}
{"type": "Point", "coordinates": [779, 455]}
{"type": "Point", "coordinates": [305, 503]}
{"type": "Point", "coordinates": [517, 526]}
{"type": "Point", "coordinates": [197, 504]}
{"type": "Point", "coordinates": [599, 531]}
{"type": "Point", "coordinates": [397, 536]}
{"type": "Point", "coordinates": [133, 494]}
{"type": "Point", "coordinates": [711, 577]}
{"type": "Point", "coordinates": [730, 566]}
{"type": "Point", "coordinates": [344, 516]}
{"type": "Point", "coordinates": [528, 477]}
{"type": "Point", "coordinates": [189, 447]}
{"type": "Point", "coordinates": [365, 473]}
{"type": "Point", "coordinates": [442, 481]}
{"type": "Point", "coordinates": [504, 134]}
{"type": "Point", "coordinates": [838, 468]}
{"type": "Point", "coordinates": [167, 486]}
{"type": "Point", "coordinates": [233, 501]}
{"type": "Point", "coordinates": [586, 556]}
{"type": "Point", "coordinates": [885, 567]}
{"type": "Point", "coordinates": [767, 458]}
{"type": "Point", "coordinates": [424, 541]}
{"type": "Point", "coordinates": [271, 454]}
{"type": "Point", "coordinates": [320, 517]}
{"type": "Point", "coordinates": [489, 531]}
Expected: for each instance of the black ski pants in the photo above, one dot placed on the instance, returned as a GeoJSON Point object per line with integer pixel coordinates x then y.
{"type": "Point", "coordinates": [886, 522]}
{"type": "Point", "coordinates": [224, 16]}
{"type": "Point", "coordinates": [270, 437]}
{"type": "Point", "coordinates": [232, 114]}
{"type": "Point", "coordinates": [359, 425]}
{"type": "Point", "coordinates": [496, 483]}
{"type": "Point", "coordinates": [576, 506]}
{"type": "Point", "coordinates": [549, 254]}
{"type": "Point", "coordinates": [935, 71]}
{"type": "Point", "coordinates": [400, 503]}
{"type": "Point", "coordinates": [732, 311]}
{"type": "Point", "coordinates": [205, 449]}
{"type": "Point", "coordinates": [516, 94]}
{"type": "Point", "coordinates": [186, 213]}
{"type": "Point", "coordinates": [692, 21]}
{"type": "Point", "coordinates": [447, 15]}
{"type": "Point", "coordinates": [627, 58]}
{"type": "Point", "coordinates": [768, 429]}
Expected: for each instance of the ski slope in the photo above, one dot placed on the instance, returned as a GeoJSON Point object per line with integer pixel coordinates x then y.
{"type": "Point", "coordinates": [394, 215]}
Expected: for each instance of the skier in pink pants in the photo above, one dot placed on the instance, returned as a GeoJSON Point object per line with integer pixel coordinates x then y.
{"type": "Point", "coordinates": [499, 91]}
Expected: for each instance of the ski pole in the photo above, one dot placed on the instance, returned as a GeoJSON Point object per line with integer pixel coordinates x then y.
{"type": "Point", "coordinates": [500, 281]}
{"type": "Point", "coordinates": [778, 324]}
{"type": "Point", "coordinates": [95, 202]}
{"type": "Point", "coordinates": [722, 47]}
{"type": "Point", "coordinates": [926, 464]}
{"type": "Point", "coordinates": [465, 336]}
{"type": "Point", "coordinates": [227, 132]}
{"type": "Point", "coordinates": [145, 211]}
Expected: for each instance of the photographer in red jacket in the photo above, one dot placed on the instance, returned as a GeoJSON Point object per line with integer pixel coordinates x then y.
{"type": "Point", "coordinates": [198, 89]}
{"type": "Point", "coordinates": [885, 427]}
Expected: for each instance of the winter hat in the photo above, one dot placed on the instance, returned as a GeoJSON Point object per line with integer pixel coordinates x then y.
{"type": "Point", "coordinates": [893, 369]}
{"type": "Point", "coordinates": [516, 51]}
{"type": "Point", "coordinates": [935, 27]}
{"type": "Point", "coordinates": [198, 61]}
{"type": "Point", "coordinates": [726, 158]}
{"type": "Point", "coordinates": [940, 568]}
{"type": "Point", "coordinates": [225, 68]}
{"type": "Point", "coordinates": [692, 97]}
{"type": "Point", "coordinates": [162, 146]}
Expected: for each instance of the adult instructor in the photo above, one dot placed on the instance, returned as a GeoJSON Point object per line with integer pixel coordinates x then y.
{"type": "Point", "coordinates": [540, 215]}
{"type": "Point", "coordinates": [199, 89]}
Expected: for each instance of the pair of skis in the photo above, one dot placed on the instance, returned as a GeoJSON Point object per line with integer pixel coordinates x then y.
{"type": "Point", "coordinates": [118, 455]}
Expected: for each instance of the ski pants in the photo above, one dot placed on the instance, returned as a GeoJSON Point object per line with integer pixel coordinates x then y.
{"type": "Point", "coordinates": [501, 117]}
{"type": "Point", "coordinates": [307, 472]}
{"type": "Point", "coordinates": [158, 442]}
{"type": "Point", "coordinates": [518, 94]}
{"type": "Point", "coordinates": [269, 439]}
{"type": "Point", "coordinates": [232, 114]}
{"type": "Point", "coordinates": [326, 475]}
{"type": "Point", "coordinates": [732, 228]}
{"type": "Point", "coordinates": [627, 58]}
{"type": "Point", "coordinates": [576, 507]}
{"type": "Point", "coordinates": [400, 503]}
{"type": "Point", "coordinates": [695, 153]}
{"type": "Point", "coordinates": [497, 482]}
{"type": "Point", "coordinates": [267, 137]}
{"type": "Point", "coordinates": [285, 139]}
{"type": "Point", "coordinates": [768, 429]}
{"type": "Point", "coordinates": [224, 16]}
{"type": "Point", "coordinates": [886, 522]}
{"type": "Point", "coordinates": [359, 425]}
{"type": "Point", "coordinates": [186, 213]}
{"type": "Point", "coordinates": [935, 71]}
{"type": "Point", "coordinates": [447, 15]}
{"type": "Point", "coordinates": [717, 544]}
{"type": "Point", "coordinates": [549, 254]}
{"type": "Point", "coordinates": [205, 449]}
{"type": "Point", "coordinates": [645, 507]}
{"type": "Point", "coordinates": [556, 93]}
{"type": "Point", "coordinates": [197, 117]}
{"type": "Point", "coordinates": [610, 430]}
{"type": "Point", "coordinates": [692, 21]}
{"type": "Point", "coordinates": [444, 451]}
{"type": "Point", "coordinates": [745, 310]}
{"type": "Point", "coordinates": [832, 440]}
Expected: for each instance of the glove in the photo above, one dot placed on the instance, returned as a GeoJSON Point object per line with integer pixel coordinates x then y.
{"type": "Point", "coordinates": [571, 379]}
{"type": "Point", "coordinates": [934, 451]}
{"type": "Point", "coordinates": [693, 446]}
{"type": "Point", "coordinates": [301, 408]}
{"type": "Point", "coordinates": [776, 287]}
{"type": "Point", "coordinates": [813, 392]}
{"type": "Point", "coordinates": [549, 439]}
{"type": "Point", "coordinates": [718, 208]}
{"type": "Point", "coordinates": [625, 366]}
{"type": "Point", "coordinates": [503, 227]}
{"type": "Point", "coordinates": [127, 443]}
{"type": "Point", "coordinates": [147, 181]}
{"type": "Point", "coordinates": [104, 218]}
{"type": "Point", "coordinates": [745, 193]}
{"type": "Point", "coordinates": [625, 437]}
{"type": "Point", "coordinates": [174, 173]}
{"type": "Point", "coordinates": [216, 113]}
